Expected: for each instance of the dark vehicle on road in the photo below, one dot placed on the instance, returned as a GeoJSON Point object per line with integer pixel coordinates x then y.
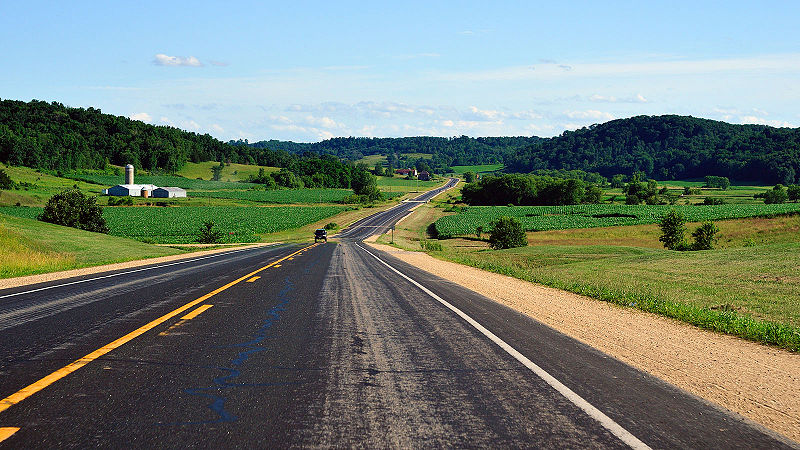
{"type": "Point", "coordinates": [321, 235]}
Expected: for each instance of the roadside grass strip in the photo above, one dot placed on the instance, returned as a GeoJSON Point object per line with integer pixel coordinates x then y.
{"type": "Point", "coordinates": [730, 322]}
{"type": "Point", "coordinates": [37, 386]}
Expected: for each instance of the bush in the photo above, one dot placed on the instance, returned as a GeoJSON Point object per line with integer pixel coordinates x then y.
{"type": "Point", "coordinates": [431, 246]}
{"type": "Point", "coordinates": [673, 228]}
{"type": "Point", "coordinates": [72, 208]}
{"type": "Point", "coordinates": [778, 194]}
{"type": "Point", "coordinates": [507, 232]}
{"type": "Point", "coordinates": [714, 201]}
{"type": "Point", "coordinates": [5, 181]}
{"type": "Point", "coordinates": [208, 235]}
{"type": "Point", "coordinates": [331, 226]}
{"type": "Point", "coordinates": [120, 201]}
{"type": "Point", "coordinates": [705, 236]}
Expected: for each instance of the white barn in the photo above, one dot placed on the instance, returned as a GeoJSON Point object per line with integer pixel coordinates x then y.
{"type": "Point", "coordinates": [130, 190]}
{"type": "Point", "coordinates": [168, 192]}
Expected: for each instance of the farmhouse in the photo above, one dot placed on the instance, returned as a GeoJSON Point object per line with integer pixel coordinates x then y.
{"type": "Point", "coordinates": [169, 192]}
{"type": "Point", "coordinates": [406, 172]}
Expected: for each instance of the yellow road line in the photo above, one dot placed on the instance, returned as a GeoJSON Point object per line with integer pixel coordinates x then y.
{"type": "Point", "coordinates": [253, 279]}
{"type": "Point", "coordinates": [196, 312]}
{"type": "Point", "coordinates": [37, 386]}
{"type": "Point", "coordinates": [276, 265]}
{"type": "Point", "coordinates": [6, 432]}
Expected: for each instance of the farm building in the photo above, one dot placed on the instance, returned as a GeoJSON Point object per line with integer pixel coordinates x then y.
{"type": "Point", "coordinates": [130, 190]}
{"type": "Point", "coordinates": [168, 192]}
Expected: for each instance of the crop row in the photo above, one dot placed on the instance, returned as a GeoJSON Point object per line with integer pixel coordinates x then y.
{"type": "Point", "coordinates": [165, 180]}
{"type": "Point", "coordinates": [541, 218]}
{"type": "Point", "coordinates": [182, 224]}
{"type": "Point", "coordinates": [282, 196]}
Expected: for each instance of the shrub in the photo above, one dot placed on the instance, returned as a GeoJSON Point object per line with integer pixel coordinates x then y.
{"type": "Point", "coordinates": [431, 246]}
{"type": "Point", "coordinates": [5, 181]}
{"type": "Point", "coordinates": [777, 195]}
{"type": "Point", "coordinates": [331, 226]}
{"type": "Point", "coordinates": [705, 236]}
{"type": "Point", "coordinates": [507, 232]}
{"type": "Point", "coordinates": [713, 201]}
{"type": "Point", "coordinates": [673, 228]}
{"type": "Point", "coordinates": [72, 208]}
{"type": "Point", "coordinates": [208, 235]}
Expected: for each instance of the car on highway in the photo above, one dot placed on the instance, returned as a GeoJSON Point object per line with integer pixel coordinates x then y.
{"type": "Point", "coordinates": [321, 234]}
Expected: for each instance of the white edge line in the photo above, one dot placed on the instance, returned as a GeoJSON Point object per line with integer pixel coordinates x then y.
{"type": "Point", "coordinates": [184, 261]}
{"type": "Point", "coordinates": [607, 422]}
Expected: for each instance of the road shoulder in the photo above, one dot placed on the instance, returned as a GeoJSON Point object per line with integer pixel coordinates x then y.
{"type": "Point", "coordinates": [759, 382]}
{"type": "Point", "coordinates": [53, 276]}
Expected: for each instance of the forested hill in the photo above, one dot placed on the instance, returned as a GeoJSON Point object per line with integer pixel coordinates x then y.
{"type": "Point", "coordinates": [52, 136]}
{"type": "Point", "coordinates": [455, 151]}
{"type": "Point", "coordinates": [670, 147]}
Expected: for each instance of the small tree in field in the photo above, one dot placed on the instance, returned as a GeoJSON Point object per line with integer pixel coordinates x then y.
{"type": "Point", "coordinates": [5, 181]}
{"type": "Point", "coordinates": [705, 236]}
{"type": "Point", "coordinates": [208, 235]}
{"type": "Point", "coordinates": [673, 228]}
{"type": "Point", "coordinates": [507, 232]}
{"type": "Point", "coordinates": [72, 208]}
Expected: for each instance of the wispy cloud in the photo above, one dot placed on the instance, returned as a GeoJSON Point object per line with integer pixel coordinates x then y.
{"type": "Point", "coordinates": [176, 61]}
{"type": "Point", "coordinates": [597, 98]}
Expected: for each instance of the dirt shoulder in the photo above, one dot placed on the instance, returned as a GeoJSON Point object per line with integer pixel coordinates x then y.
{"type": "Point", "coordinates": [759, 382]}
{"type": "Point", "coordinates": [44, 277]}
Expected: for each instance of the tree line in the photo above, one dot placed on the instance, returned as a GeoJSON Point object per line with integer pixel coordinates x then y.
{"type": "Point", "coordinates": [529, 190]}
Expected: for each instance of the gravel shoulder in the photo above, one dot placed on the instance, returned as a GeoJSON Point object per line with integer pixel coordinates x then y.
{"type": "Point", "coordinates": [52, 276]}
{"type": "Point", "coordinates": [759, 382]}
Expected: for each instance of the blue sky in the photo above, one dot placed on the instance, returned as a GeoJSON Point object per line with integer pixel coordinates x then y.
{"type": "Point", "coordinates": [306, 71]}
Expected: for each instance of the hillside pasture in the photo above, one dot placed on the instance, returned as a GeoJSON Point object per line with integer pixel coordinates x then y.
{"type": "Point", "coordinates": [484, 168]}
{"type": "Point", "coordinates": [231, 172]}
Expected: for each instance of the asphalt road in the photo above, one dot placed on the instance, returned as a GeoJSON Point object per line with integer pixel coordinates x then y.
{"type": "Point", "coordinates": [324, 345]}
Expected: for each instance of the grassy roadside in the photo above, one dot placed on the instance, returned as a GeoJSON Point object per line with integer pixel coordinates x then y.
{"type": "Point", "coordinates": [29, 247]}
{"type": "Point", "coordinates": [748, 288]}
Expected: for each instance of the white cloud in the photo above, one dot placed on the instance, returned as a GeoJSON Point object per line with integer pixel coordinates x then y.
{"type": "Point", "coordinates": [589, 114]}
{"type": "Point", "coordinates": [142, 116]}
{"type": "Point", "coordinates": [764, 121]}
{"type": "Point", "coordinates": [485, 115]}
{"type": "Point", "coordinates": [190, 125]}
{"type": "Point", "coordinates": [166, 121]}
{"type": "Point", "coordinates": [216, 127]}
{"type": "Point", "coordinates": [596, 98]}
{"type": "Point", "coordinates": [165, 60]}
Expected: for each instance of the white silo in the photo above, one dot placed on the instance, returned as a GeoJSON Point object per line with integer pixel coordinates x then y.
{"type": "Point", "coordinates": [129, 174]}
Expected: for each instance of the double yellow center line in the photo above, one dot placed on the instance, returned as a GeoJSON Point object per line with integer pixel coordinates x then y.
{"type": "Point", "coordinates": [29, 390]}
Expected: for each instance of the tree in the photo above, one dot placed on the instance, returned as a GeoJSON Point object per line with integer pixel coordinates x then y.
{"type": "Point", "coordinates": [207, 234]}
{"type": "Point", "coordinates": [618, 181]}
{"type": "Point", "coordinates": [72, 208]}
{"type": "Point", "coordinates": [469, 177]}
{"type": "Point", "coordinates": [793, 192]}
{"type": "Point", "coordinates": [5, 181]}
{"type": "Point", "coordinates": [365, 184]}
{"type": "Point", "coordinates": [777, 194]}
{"type": "Point", "coordinates": [705, 236]}
{"type": "Point", "coordinates": [673, 228]}
{"type": "Point", "coordinates": [507, 232]}
{"type": "Point", "coordinates": [216, 171]}
{"type": "Point", "coordinates": [378, 170]}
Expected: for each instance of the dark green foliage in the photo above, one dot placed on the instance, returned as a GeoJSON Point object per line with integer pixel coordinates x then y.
{"type": "Point", "coordinates": [216, 171]}
{"type": "Point", "coordinates": [637, 192]}
{"type": "Point", "coordinates": [705, 236]}
{"type": "Point", "coordinates": [714, 201]}
{"type": "Point", "coordinates": [717, 182]}
{"type": "Point", "coordinates": [777, 194]}
{"type": "Point", "coordinates": [618, 181]}
{"type": "Point", "coordinates": [72, 208]}
{"type": "Point", "coordinates": [5, 181]}
{"type": "Point", "coordinates": [669, 147]}
{"type": "Point", "coordinates": [673, 229]}
{"type": "Point", "coordinates": [507, 232]}
{"type": "Point", "coordinates": [331, 226]}
{"type": "Point", "coordinates": [208, 235]}
{"type": "Point", "coordinates": [528, 190]}
{"type": "Point", "coordinates": [793, 192]}
{"type": "Point", "coordinates": [365, 184]}
{"type": "Point", "coordinates": [469, 177]}
{"type": "Point", "coordinates": [287, 178]}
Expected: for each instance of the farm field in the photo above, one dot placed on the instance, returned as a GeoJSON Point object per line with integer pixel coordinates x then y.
{"type": "Point", "coordinates": [402, 185]}
{"type": "Point", "coordinates": [747, 286]}
{"type": "Point", "coordinates": [477, 169]}
{"type": "Point", "coordinates": [30, 247]}
{"type": "Point", "coordinates": [166, 180]}
{"type": "Point", "coordinates": [281, 196]}
{"type": "Point", "coordinates": [541, 218]}
{"type": "Point", "coordinates": [231, 172]}
{"type": "Point", "coordinates": [181, 225]}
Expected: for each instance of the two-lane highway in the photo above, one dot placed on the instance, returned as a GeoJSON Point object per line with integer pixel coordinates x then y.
{"type": "Point", "coordinates": [324, 345]}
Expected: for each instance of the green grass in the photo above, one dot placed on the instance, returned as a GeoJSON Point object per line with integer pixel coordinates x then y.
{"type": "Point", "coordinates": [282, 196]}
{"type": "Point", "coordinates": [747, 292]}
{"type": "Point", "coordinates": [400, 184]}
{"type": "Point", "coordinates": [180, 225]}
{"type": "Point", "coordinates": [478, 169]}
{"type": "Point", "coordinates": [540, 218]}
{"type": "Point", "coordinates": [231, 172]}
{"type": "Point", "coordinates": [30, 247]}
